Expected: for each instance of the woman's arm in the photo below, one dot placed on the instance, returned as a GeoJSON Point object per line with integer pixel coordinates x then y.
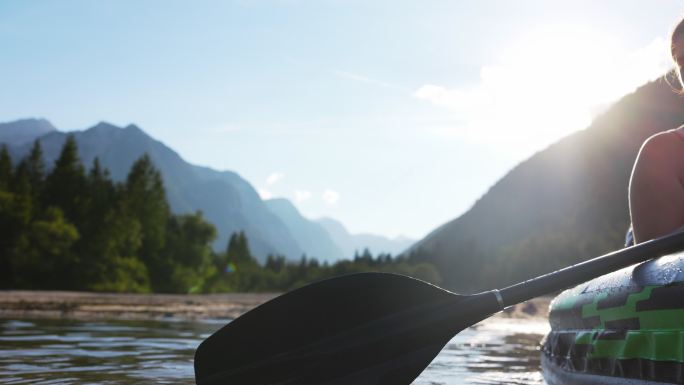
{"type": "Point", "coordinates": [656, 194]}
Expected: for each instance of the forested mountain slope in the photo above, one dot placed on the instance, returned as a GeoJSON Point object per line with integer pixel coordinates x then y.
{"type": "Point", "coordinates": [563, 205]}
{"type": "Point", "coordinates": [227, 200]}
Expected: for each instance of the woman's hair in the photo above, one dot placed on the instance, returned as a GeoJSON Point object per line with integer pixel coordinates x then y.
{"type": "Point", "coordinates": [677, 33]}
{"type": "Point", "coordinates": [677, 36]}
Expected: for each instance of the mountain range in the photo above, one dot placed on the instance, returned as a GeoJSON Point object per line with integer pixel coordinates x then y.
{"type": "Point", "coordinates": [563, 205]}
{"type": "Point", "coordinates": [356, 243]}
{"type": "Point", "coordinates": [226, 199]}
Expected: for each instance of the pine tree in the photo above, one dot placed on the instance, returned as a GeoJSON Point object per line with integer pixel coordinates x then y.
{"type": "Point", "coordinates": [65, 185]}
{"type": "Point", "coordinates": [238, 249]}
{"type": "Point", "coordinates": [145, 200]}
{"type": "Point", "coordinates": [36, 167]}
{"type": "Point", "coordinates": [101, 193]}
{"type": "Point", "coordinates": [15, 218]}
{"type": "Point", "coordinates": [5, 169]}
{"type": "Point", "coordinates": [98, 245]}
{"type": "Point", "coordinates": [10, 220]}
{"type": "Point", "coordinates": [275, 263]}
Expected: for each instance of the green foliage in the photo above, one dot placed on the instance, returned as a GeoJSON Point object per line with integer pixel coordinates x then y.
{"type": "Point", "coordinates": [44, 256]}
{"type": "Point", "coordinates": [238, 249]}
{"type": "Point", "coordinates": [65, 185]}
{"type": "Point", "coordinates": [6, 175]}
{"type": "Point", "coordinates": [123, 274]}
{"type": "Point", "coordinates": [187, 253]}
{"type": "Point", "coordinates": [14, 219]}
{"type": "Point", "coordinates": [75, 230]}
{"type": "Point", "coordinates": [51, 238]}
{"type": "Point", "coordinates": [35, 168]}
{"type": "Point", "coordinates": [69, 229]}
{"type": "Point", "coordinates": [144, 199]}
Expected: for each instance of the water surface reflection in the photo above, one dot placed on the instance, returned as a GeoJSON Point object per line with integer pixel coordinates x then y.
{"type": "Point", "coordinates": [498, 351]}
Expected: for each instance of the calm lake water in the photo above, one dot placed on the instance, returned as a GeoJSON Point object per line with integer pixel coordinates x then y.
{"type": "Point", "coordinates": [498, 351]}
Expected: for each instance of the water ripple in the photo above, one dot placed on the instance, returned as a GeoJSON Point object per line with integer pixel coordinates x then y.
{"type": "Point", "coordinates": [103, 353]}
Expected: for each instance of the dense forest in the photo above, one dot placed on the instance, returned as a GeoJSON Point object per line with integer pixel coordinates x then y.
{"type": "Point", "coordinates": [72, 228]}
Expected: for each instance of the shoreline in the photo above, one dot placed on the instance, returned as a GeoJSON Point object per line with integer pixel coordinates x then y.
{"type": "Point", "coordinates": [119, 306]}
{"type": "Point", "coordinates": [25, 304]}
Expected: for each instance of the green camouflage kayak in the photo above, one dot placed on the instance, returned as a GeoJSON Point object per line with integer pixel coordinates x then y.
{"type": "Point", "coordinates": [626, 327]}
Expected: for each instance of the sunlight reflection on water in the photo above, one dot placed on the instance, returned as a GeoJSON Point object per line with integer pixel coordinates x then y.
{"type": "Point", "coordinates": [498, 351]}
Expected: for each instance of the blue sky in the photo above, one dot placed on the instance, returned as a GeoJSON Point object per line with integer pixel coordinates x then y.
{"type": "Point", "coordinates": [391, 116]}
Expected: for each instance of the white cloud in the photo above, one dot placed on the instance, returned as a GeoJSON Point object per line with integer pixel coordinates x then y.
{"type": "Point", "coordinates": [264, 194]}
{"type": "Point", "coordinates": [546, 86]}
{"type": "Point", "coordinates": [331, 196]}
{"type": "Point", "coordinates": [274, 178]}
{"type": "Point", "coordinates": [302, 195]}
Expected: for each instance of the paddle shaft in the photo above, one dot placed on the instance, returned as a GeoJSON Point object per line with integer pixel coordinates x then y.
{"type": "Point", "coordinates": [582, 272]}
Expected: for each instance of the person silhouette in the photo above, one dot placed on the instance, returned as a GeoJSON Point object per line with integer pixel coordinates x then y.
{"type": "Point", "coordinates": [656, 187]}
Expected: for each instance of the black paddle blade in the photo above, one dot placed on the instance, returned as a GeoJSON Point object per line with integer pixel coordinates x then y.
{"type": "Point", "coordinates": [361, 329]}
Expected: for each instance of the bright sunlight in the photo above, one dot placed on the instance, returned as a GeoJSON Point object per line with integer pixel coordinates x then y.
{"type": "Point", "coordinates": [548, 83]}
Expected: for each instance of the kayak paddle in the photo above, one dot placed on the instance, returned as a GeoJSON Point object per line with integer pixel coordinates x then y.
{"type": "Point", "coordinates": [373, 328]}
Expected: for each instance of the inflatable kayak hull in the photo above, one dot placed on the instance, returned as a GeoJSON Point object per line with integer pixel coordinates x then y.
{"type": "Point", "coordinates": [626, 327]}
{"type": "Point", "coordinates": [556, 375]}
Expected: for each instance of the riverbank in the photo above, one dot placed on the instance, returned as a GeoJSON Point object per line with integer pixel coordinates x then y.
{"type": "Point", "coordinates": [115, 306]}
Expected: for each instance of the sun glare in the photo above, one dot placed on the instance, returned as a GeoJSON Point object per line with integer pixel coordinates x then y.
{"type": "Point", "coordinates": [546, 84]}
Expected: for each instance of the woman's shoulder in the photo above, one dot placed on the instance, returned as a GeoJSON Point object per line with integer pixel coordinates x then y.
{"type": "Point", "coordinates": [666, 138]}
{"type": "Point", "coordinates": [679, 132]}
{"type": "Point", "coordinates": [666, 146]}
